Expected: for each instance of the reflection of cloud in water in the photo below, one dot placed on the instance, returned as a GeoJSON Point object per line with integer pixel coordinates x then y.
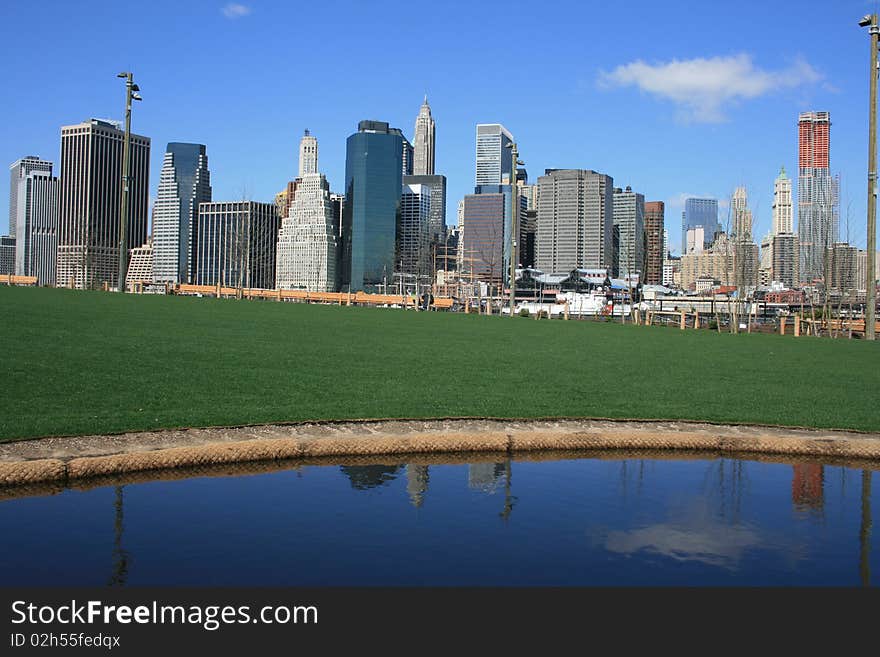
{"type": "Point", "coordinates": [713, 544]}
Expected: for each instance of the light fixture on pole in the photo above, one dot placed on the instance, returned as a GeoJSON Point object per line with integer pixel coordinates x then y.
{"type": "Point", "coordinates": [131, 93]}
{"type": "Point", "coordinates": [514, 221]}
{"type": "Point", "coordinates": [871, 22]}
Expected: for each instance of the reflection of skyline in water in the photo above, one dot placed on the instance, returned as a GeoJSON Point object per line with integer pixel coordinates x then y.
{"type": "Point", "coordinates": [808, 487]}
{"type": "Point", "coordinates": [365, 477]}
{"type": "Point", "coordinates": [416, 483]}
{"type": "Point", "coordinates": [584, 519]}
{"type": "Point", "coordinates": [485, 477]}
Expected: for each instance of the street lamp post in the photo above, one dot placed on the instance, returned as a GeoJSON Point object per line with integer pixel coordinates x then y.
{"type": "Point", "coordinates": [870, 21]}
{"type": "Point", "coordinates": [131, 93]}
{"type": "Point", "coordinates": [514, 222]}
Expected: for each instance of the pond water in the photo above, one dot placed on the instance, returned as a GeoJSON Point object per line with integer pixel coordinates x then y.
{"type": "Point", "coordinates": [577, 521]}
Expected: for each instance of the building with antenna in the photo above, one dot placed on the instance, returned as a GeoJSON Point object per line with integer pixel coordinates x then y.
{"type": "Point", "coordinates": [423, 142]}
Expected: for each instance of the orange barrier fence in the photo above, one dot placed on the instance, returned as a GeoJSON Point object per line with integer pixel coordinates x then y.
{"type": "Point", "coordinates": [9, 279]}
{"type": "Point", "coordinates": [346, 298]}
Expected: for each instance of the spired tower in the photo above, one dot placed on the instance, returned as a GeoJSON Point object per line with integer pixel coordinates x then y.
{"type": "Point", "coordinates": [423, 149]}
{"type": "Point", "coordinates": [782, 205]}
{"type": "Point", "coordinates": [742, 216]}
{"type": "Point", "coordinates": [307, 245]}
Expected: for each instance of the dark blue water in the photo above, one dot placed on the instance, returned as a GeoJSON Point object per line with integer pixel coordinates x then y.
{"type": "Point", "coordinates": [568, 522]}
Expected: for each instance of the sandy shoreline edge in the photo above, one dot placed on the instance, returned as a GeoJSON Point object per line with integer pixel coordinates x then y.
{"type": "Point", "coordinates": [64, 461]}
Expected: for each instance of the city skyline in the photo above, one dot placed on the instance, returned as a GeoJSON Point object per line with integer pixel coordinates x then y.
{"type": "Point", "coordinates": [707, 153]}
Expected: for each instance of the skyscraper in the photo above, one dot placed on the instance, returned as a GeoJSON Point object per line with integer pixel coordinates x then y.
{"type": "Point", "coordinates": [423, 138]}
{"type": "Point", "coordinates": [236, 244]}
{"type": "Point", "coordinates": [18, 171]}
{"type": "Point", "coordinates": [494, 164]}
{"type": "Point", "coordinates": [140, 265]}
{"type": "Point", "coordinates": [407, 155]}
{"type": "Point", "coordinates": [782, 206]}
{"type": "Point", "coordinates": [184, 183]}
{"type": "Point", "coordinates": [90, 194]}
{"type": "Point", "coordinates": [784, 255]}
{"type": "Point", "coordinates": [373, 185]}
{"type": "Point", "coordinates": [437, 218]}
{"type": "Point", "coordinates": [413, 237]}
{"type": "Point", "coordinates": [7, 254]}
{"type": "Point", "coordinates": [654, 242]}
{"type": "Point", "coordinates": [482, 246]}
{"type": "Point", "coordinates": [629, 218]}
{"type": "Point", "coordinates": [36, 237]}
{"type": "Point", "coordinates": [817, 194]}
{"type": "Point", "coordinates": [575, 221]}
{"type": "Point", "coordinates": [700, 212]}
{"type": "Point", "coordinates": [742, 216]}
{"type": "Point", "coordinates": [306, 255]}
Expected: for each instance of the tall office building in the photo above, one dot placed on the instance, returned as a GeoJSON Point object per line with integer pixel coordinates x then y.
{"type": "Point", "coordinates": [782, 206]}
{"type": "Point", "coordinates": [844, 266]}
{"type": "Point", "coordinates": [742, 216]}
{"type": "Point", "coordinates": [575, 221]}
{"type": "Point", "coordinates": [90, 195]}
{"type": "Point", "coordinates": [702, 213]}
{"type": "Point", "coordinates": [494, 159]}
{"type": "Point", "coordinates": [236, 244]}
{"type": "Point", "coordinates": [373, 185]}
{"type": "Point", "coordinates": [308, 154]}
{"type": "Point", "coordinates": [18, 171]}
{"type": "Point", "coordinates": [785, 259]}
{"type": "Point", "coordinates": [629, 218]}
{"type": "Point", "coordinates": [528, 226]}
{"type": "Point", "coordinates": [423, 138]}
{"type": "Point", "coordinates": [437, 220]}
{"type": "Point", "coordinates": [306, 255]}
{"type": "Point", "coordinates": [140, 265]}
{"type": "Point", "coordinates": [7, 255]}
{"type": "Point", "coordinates": [184, 183]}
{"type": "Point", "coordinates": [414, 255]}
{"type": "Point", "coordinates": [654, 242]}
{"type": "Point", "coordinates": [482, 243]}
{"type": "Point", "coordinates": [36, 224]}
{"type": "Point", "coordinates": [694, 241]}
{"type": "Point", "coordinates": [818, 220]}
{"type": "Point", "coordinates": [407, 156]}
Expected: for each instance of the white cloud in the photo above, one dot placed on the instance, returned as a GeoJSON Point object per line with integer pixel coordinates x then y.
{"type": "Point", "coordinates": [234, 10]}
{"type": "Point", "coordinates": [713, 544]}
{"type": "Point", "coordinates": [703, 87]}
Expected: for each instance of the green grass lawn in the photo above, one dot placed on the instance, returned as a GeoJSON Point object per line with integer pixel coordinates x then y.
{"type": "Point", "coordinates": [92, 362]}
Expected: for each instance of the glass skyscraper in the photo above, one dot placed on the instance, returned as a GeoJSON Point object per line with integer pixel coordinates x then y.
{"type": "Point", "coordinates": [184, 183]}
{"type": "Point", "coordinates": [373, 185]}
{"type": "Point", "coordinates": [700, 212]}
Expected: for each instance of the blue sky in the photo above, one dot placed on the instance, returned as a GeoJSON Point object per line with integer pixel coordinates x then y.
{"type": "Point", "coordinates": [673, 98]}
